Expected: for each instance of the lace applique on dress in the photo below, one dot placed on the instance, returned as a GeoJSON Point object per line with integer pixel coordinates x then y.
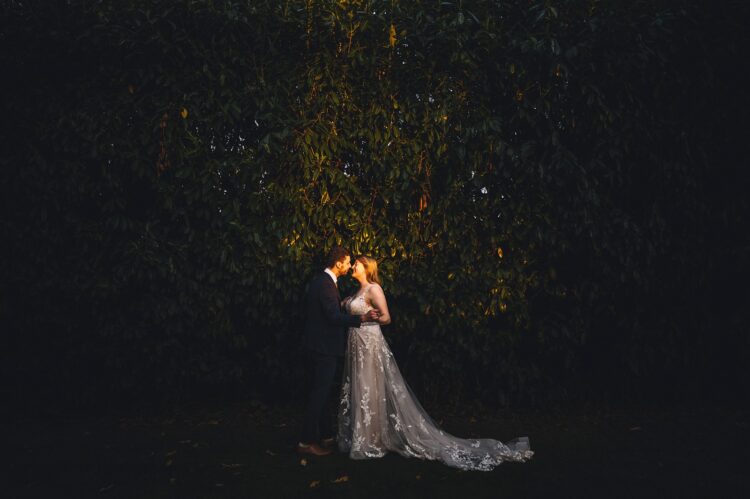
{"type": "Point", "coordinates": [379, 413]}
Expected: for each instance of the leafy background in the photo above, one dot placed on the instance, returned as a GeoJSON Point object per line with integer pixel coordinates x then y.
{"type": "Point", "coordinates": [553, 190]}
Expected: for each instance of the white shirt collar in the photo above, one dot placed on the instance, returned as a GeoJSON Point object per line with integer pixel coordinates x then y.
{"type": "Point", "coordinates": [333, 276]}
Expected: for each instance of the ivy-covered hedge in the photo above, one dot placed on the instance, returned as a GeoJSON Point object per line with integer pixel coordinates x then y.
{"type": "Point", "coordinates": [538, 181]}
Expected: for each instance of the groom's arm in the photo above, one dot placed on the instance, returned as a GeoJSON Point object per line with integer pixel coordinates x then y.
{"type": "Point", "coordinates": [329, 300]}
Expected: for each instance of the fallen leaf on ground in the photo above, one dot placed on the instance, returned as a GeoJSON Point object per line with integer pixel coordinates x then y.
{"type": "Point", "coordinates": [340, 479]}
{"type": "Point", "coordinates": [314, 484]}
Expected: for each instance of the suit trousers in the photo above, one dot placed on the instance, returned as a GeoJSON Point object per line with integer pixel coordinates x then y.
{"type": "Point", "coordinates": [317, 421]}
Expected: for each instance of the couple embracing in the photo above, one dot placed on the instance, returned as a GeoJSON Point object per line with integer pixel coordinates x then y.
{"type": "Point", "coordinates": [377, 411]}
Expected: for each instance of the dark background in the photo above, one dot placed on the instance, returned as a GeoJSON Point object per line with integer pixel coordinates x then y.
{"type": "Point", "coordinates": [556, 195]}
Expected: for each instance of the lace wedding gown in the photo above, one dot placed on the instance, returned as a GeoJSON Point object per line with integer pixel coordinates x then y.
{"type": "Point", "coordinates": [379, 413]}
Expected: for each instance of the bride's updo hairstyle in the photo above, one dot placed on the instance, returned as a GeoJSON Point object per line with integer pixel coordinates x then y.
{"type": "Point", "coordinates": [371, 268]}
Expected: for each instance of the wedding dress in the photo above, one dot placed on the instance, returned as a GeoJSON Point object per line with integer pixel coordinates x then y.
{"type": "Point", "coordinates": [379, 413]}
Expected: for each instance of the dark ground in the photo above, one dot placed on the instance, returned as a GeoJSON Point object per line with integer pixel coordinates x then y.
{"type": "Point", "coordinates": [247, 451]}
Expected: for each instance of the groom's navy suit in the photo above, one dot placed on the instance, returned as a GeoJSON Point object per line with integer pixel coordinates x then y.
{"type": "Point", "coordinates": [325, 341]}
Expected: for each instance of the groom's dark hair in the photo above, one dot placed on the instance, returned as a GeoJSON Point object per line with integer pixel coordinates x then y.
{"type": "Point", "coordinates": [336, 254]}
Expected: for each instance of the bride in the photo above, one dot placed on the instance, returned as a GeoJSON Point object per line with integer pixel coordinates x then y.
{"type": "Point", "coordinates": [378, 411]}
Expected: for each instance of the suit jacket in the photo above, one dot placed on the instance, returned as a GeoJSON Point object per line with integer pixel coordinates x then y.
{"type": "Point", "coordinates": [325, 323]}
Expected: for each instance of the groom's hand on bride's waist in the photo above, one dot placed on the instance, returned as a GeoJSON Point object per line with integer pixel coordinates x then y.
{"type": "Point", "coordinates": [370, 316]}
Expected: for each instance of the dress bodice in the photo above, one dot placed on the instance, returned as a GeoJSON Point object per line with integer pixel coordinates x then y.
{"type": "Point", "coordinates": [358, 305]}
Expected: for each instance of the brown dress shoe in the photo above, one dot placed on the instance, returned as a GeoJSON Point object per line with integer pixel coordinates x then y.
{"type": "Point", "coordinates": [313, 449]}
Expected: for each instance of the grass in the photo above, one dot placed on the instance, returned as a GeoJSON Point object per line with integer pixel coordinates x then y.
{"type": "Point", "coordinates": [246, 450]}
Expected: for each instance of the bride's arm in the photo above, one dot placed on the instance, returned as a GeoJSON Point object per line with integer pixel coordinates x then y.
{"type": "Point", "coordinates": [377, 299]}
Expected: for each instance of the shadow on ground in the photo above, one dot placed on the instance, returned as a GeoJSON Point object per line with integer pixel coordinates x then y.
{"type": "Point", "coordinates": [247, 451]}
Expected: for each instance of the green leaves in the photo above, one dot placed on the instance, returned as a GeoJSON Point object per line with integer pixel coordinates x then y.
{"type": "Point", "coordinates": [515, 174]}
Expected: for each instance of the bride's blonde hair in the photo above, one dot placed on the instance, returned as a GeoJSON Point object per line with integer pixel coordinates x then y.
{"type": "Point", "coordinates": [371, 268]}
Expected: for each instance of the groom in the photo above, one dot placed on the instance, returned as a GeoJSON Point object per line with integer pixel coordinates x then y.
{"type": "Point", "coordinates": [325, 341]}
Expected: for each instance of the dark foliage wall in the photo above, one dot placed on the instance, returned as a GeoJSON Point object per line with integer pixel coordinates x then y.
{"type": "Point", "coordinates": [553, 191]}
